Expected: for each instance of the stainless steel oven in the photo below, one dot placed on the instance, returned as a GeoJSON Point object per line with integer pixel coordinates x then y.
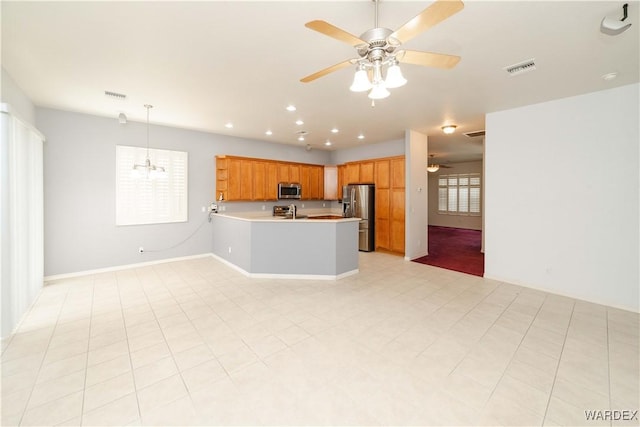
{"type": "Point", "coordinates": [289, 190]}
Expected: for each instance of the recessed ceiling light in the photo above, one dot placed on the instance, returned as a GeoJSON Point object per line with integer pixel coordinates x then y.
{"type": "Point", "coordinates": [268, 132]}
{"type": "Point", "coordinates": [449, 129]}
{"type": "Point", "coordinates": [334, 130]}
{"type": "Point", "coordinates": [361, 136]}
{"type": "Point", "coordinates": [228, 125]}
{"type": "Point", "coordinates": [301, 138]}
{"type": "Point", "coordinates": [609, 76]}
{"type": "Point", "coordinates": [327, 143]}
{"type": "Point", "coordinates": [299, 122]}
{"type": "Point", "coordinates": [291, 107]}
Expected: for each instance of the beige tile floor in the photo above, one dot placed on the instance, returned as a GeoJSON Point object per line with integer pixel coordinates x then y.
{"type": "Point", "coordinates": [196, 343]}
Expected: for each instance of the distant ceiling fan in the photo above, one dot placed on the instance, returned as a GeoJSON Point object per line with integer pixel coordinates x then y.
{"type": "Point", "coordinates": [379, 53]}
{"type": "Point", "coordinates": [434, 167]}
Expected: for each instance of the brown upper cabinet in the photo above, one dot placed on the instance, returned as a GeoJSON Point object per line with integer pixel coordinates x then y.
{"type": "Point", "coordinates": [351, 173]}
{"type": "Point", "coordinates": [246, 179]}
{"type": "Point", "coordinates": [341, 181]}
{"type": "Point", "coordinates": [366, 172]}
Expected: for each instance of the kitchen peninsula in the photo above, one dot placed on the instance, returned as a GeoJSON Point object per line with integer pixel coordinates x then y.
{"type": "Point", "coordinates": [306, 248]}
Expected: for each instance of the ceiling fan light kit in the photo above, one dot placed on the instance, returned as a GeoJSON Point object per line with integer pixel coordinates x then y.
{"type": "Point", "coordinates": [394, 76]}
{"type": "Point", "coordinates": [361, 81]}
{"type": "Point", "coordinates": [435, 167]}
{"type": "Point", "coordinates": [379, 91]}
{"type": "Point", "coordinates": [379, 54]}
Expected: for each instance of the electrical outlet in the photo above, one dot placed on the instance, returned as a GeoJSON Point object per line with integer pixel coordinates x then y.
{"type": "Point", "coordinates": [204, 209]}
{"type": "Point", "coordinates": [140, 249]}
{"type": "Point", "coordinates": [324, 205]}
{"type": "Point", "coordinates": [303, 205]}
{"type": "Point", "coordinates": [264, 207]}
{"type": "Point", "coordinates": [229, 249]}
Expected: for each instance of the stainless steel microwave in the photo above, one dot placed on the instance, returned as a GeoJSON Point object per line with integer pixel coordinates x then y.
{"type": "Point", "coordinates": [289, 190]}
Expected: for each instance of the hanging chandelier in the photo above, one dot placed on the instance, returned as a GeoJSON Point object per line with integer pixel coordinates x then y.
{"type": "Point", "coordinates": [148, 170]}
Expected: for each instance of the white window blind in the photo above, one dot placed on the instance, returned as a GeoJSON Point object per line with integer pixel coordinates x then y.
{"type": "Point", "coordinates": [151, 200]}
{"type": "Point", "coordinates": [459, 194]}
{"type": "Point", "coordinates": [21, 218]}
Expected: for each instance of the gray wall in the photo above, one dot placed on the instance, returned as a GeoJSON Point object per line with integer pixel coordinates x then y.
{"type": "Point", "coordinates": [79, 193]}
{"type": "Point", "coordinates": [303, 248]}
{"type": "Point", "coordinates": [368, 151]}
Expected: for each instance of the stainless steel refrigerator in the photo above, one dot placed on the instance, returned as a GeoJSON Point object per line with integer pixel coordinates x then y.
{"type": "Point", "coordinates": [358, 201]}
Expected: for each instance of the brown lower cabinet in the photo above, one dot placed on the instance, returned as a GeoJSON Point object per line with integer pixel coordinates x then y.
{"type": "Point", "coordinates": [396, 226]}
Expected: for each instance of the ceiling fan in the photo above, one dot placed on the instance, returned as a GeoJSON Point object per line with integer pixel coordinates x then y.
{"type": "Point", "coordinates": [379, 49]}
{"type": "Point", "coordinates": [434, 167]}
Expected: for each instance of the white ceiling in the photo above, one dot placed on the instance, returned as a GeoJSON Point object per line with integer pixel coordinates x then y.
{"type": "Point", "coordinates": [202, 64]}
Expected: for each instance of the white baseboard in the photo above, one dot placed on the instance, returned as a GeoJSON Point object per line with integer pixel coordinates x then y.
{"type": "Point", "coordinates": [563, 294]}
{"type": "Point", "coordinates": [285, 276]}
{"type": "Point", "coordinates": [121, 267]}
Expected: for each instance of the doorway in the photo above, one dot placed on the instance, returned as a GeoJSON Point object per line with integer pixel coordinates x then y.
{"type": "Point", "coordinates": [455, 249]}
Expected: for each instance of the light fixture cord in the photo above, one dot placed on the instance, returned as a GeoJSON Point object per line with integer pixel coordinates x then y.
{"type": "Point", "coordinates": [147, 106]}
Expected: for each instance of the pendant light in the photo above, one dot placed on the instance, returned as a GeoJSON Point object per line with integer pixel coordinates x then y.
{"type": "Point", "coordinates": [147, 170]}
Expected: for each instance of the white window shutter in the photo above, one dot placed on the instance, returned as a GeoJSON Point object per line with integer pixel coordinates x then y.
{"type": "Point", "coordinates": [140, 200]}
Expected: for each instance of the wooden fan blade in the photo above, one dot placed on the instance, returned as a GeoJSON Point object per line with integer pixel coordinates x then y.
{"type": "Point", "coordinates": [431, 16]}
{"type": "Point", "coordinates": [334, 32]}
{"type": "Point", "coordinates": [429, 59]}
{"type": "Point", "coordinates": [326, 71]}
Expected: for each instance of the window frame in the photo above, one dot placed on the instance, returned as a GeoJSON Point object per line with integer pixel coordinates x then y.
{"type": "Point", "coordinates": [145, 201]}
{"type": "Point", "coordinates": [450, 188]}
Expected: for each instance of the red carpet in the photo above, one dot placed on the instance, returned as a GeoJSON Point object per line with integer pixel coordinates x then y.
{"type": "Point", "coordinates": [455, 249]}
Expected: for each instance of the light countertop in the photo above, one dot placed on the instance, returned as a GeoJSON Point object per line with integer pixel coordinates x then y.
{"type": "Point", "coordinates": [266, 216]}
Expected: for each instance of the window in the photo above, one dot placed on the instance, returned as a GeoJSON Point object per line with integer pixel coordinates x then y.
{"type": "Point", "coordinates": [141, 200]}
{"type": "Point", "coordinates": [459, 194]}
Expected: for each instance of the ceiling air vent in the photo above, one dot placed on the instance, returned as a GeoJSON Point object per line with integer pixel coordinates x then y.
{"type": "Point", "coordinates": [522, 67]}
{"type": "Point", "coordinates": [115, 94]}
{"type": "Point", "coordinates": [474, 133]}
